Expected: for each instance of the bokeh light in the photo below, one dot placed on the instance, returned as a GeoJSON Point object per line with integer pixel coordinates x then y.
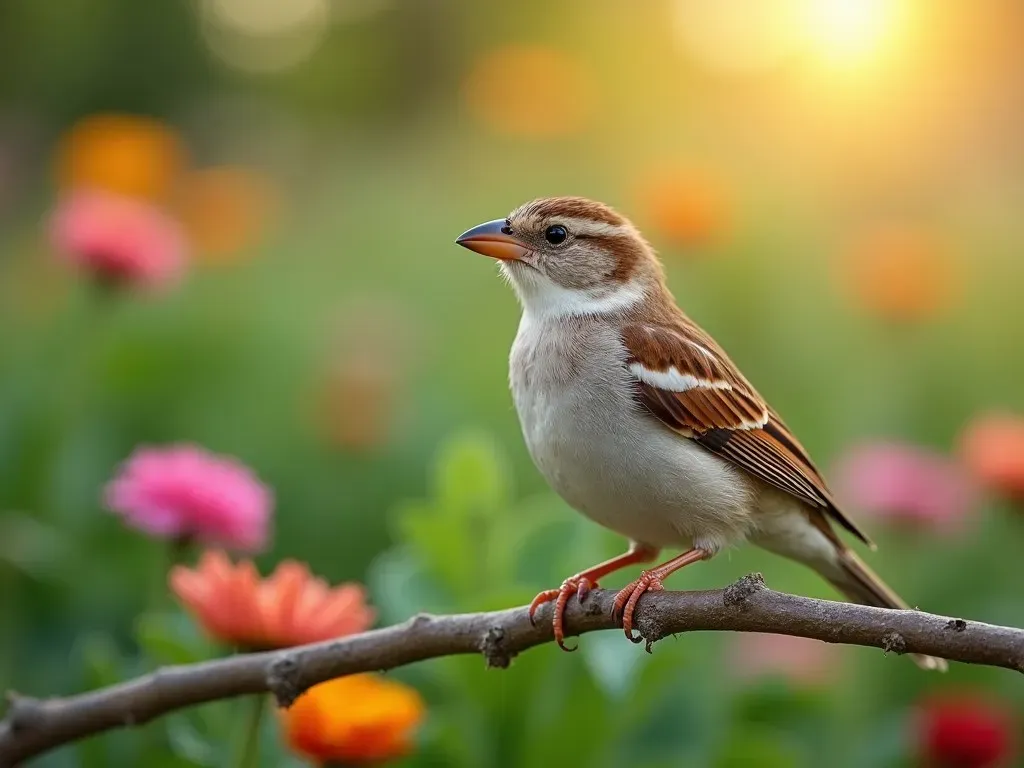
{"type": "Point", "coordinates": [264, 35]}
{"type": "Point", "coordinates": [361, 394]}
{"type": "Point", "coordinates": [226, 211]}
{"type": "Point", "coordinates": [992, 446]}
{"type": "Point", "coordinates": [901, 273]}
{"type": "Point", "coordinates": [684, 205]}
{"type": "Point", "coordinates": [733, 36]}
{"type": "Point", "coordinates": [738, 36]}
{"type": "Point", "coordinates": [798, 661]}
{"type": "Point", "coordinates": [530, 91]}
{"type": "Point", "coordinates": [346, 11]}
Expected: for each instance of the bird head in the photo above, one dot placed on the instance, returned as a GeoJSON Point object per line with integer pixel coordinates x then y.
{"type": "Point", "coordinates": [569, 256]}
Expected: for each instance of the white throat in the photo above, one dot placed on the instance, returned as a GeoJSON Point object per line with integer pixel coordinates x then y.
{"type": "Point", "coordinates": [543, 299]}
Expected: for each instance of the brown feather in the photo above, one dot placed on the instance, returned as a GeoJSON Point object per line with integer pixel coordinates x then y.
{"type": "Point", "coordinates": [724, 413]}
{"type": "Point", "coordinates": [575, 207]}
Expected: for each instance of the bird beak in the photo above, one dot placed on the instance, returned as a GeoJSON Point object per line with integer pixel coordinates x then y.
{"type": "Point", "coordinates": [491, 240]}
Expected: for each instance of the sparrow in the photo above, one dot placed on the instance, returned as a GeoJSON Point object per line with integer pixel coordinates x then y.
{"type": "Point", "coordinates": [639, 420]}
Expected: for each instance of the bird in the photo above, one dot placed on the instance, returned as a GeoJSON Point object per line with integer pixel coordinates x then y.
{"type": "Point", "coordinates": [640, 421]}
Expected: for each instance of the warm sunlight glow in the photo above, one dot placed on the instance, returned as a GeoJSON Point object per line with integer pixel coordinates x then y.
{"type": "Point", "coordinates": [848, 32]}
{"type": "Point", "coordinates": [756, 37]}
{"type": "Point", "coordinates": [739, 36]}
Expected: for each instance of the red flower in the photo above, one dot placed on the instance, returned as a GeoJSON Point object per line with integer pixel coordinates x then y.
{"type": "Point", "coordinates": [965, 732]}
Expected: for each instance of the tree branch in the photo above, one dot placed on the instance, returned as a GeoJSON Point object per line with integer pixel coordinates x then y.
{"type": "Point", "coordinates": [32, 726]}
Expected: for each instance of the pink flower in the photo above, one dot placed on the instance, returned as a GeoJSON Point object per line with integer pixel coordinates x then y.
{"type": "Point", "coordinates": [185, 491]}
{"type": "Point", "coordinates": [799, 660]}
{"type": "Point", "coordinates": [118, 239]}
{"type": "Point", "coordinates": [905, 485]}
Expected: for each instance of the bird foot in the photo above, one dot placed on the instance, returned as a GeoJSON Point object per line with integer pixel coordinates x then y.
{"type": "Point", "coordinates": [626, 600]}
{"type": "Point", "coordinates": [575, 585]}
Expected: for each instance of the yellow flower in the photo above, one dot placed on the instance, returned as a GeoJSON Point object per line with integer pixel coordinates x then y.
{"type": "Point", "coordinates": [356, 720]}
{"type": "Point", "coordinates": [126, 154]}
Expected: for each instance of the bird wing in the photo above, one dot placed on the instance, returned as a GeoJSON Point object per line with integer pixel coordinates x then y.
{"type": "Point", "coordinates": [688, 382]}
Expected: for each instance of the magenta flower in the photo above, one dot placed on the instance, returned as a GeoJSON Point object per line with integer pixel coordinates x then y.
{"type": "Point", "coordinates": [906, 486]}
{"type": "Point", "coordinates": [118, 239]}
{"type": "Point", "coordinates": [798, 660]}
{"type": "Point", "coordinates": [183, 491]}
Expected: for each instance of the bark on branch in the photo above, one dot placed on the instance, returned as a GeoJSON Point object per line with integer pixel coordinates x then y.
{"type": "Point", "coordinates": [33, 726]}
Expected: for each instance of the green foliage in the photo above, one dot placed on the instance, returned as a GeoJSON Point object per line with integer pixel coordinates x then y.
{"type": "Point", "coordinates": [380, 167]}
{"type": "Point", "coordinates": [171, 639]}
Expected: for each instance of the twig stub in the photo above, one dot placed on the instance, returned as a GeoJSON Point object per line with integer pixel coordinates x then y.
{"type": "Point", "coordinates": [283, 679]}
{"type": "Point", "coordinates": [738, 593]}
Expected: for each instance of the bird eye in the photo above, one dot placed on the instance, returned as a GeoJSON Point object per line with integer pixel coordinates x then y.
{"type": "Point", "coordinates": [556, 234]}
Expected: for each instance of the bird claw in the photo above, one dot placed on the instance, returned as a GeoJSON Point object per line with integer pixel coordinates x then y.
{"type": "Point", "coordinates": [544, 597]}
{"type": "Point", "coordinates": [574, 585]}
{"type": "Point", "coordinates": [583, 589]}
{"type": "Point", "coordinates": [628, 597]}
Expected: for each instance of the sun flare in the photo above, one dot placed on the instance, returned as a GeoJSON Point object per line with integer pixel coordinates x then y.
{"type": "Point", "coordinates": [849, 32]}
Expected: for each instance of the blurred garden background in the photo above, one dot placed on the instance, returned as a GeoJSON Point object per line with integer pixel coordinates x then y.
{"type": "Point", "coordinates": [230, 224]}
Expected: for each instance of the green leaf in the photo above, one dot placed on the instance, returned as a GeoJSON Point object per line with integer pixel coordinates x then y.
{"type": "Point", "coordinates": [444, 543]}
{"type": "Point", "coordinates": [401, 588]}
{"type": "Point", "coordinates": [30, 545]}
{"type": "Point", "coordinates": [612, 662]}
{"type": "Point", "coordinates": [189, 744]}
{"type": "Point", "coordinates": [101, 660]}
{"type": "Point", "coordinates": [775, 701]}
{"type": "Point", "coordinates": [464, 534]}
{"type": "Point", "coordinates": [170, 638]}
{"type": "Point", "coordinates": [470, 476]}
{"type": "Point", "coordinates": [762, 749]}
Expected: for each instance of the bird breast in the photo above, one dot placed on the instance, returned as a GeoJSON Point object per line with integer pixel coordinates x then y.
{"type": "Point", "coordinates": [603, 454]}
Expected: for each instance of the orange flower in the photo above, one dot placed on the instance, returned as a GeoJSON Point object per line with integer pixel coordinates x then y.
{"type": "Point", "coordinates": [125, 154]}
{"type": "Point", "coordinates": [530, 91]}
{"type": "Point", "coordinates": [900, 274]}
{"type": "Point", "coordinates": [226, 210]}
{"type": "Point", "coordinates": [355, 720]}
{"type": "Point", "coordinates": [993, 449]}
{"type": "Point", "coordinates": [288, 608]}
{"type": "Point", "coordinates": [689, 208]}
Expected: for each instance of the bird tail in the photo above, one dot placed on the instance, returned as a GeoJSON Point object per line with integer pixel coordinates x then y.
{"type": "Point", "coordinates": [859, 583]}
